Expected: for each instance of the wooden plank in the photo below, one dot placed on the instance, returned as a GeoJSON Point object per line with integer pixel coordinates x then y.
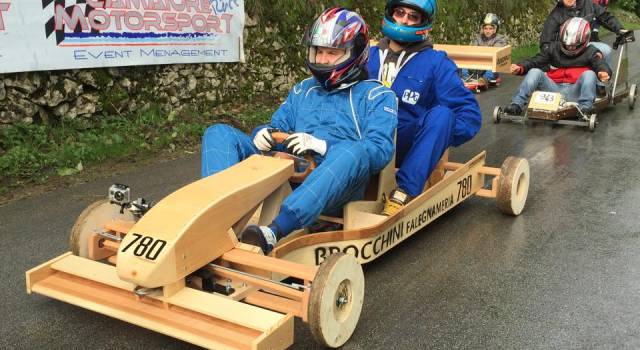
{"type": "Point", "coordinates": [149, 313]}
{"type": "Point", "coordinates": [42, 271]}
{"type": "Point", "coordinates": [490, 171]}
{"type": "Point", "coordinates": [225, 309]}
{"type": "Point", "coordinates": [92, 270]}
{"type": "Point", "coordinates": [191, 299]}
{"type": "Point", "coordinates": [274, 302]}
{"type": "Point", "coordinates": [280, 337]}
{"type": "Point", "coordinates": [268, 263]}
{"type": "Point", "coordinates": [496, 59]}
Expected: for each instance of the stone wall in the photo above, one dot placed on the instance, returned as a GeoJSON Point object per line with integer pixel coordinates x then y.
{"type": "Point", "coordinates": [274, 63]}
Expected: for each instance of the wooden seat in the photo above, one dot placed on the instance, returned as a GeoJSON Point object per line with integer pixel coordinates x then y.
{"type": "Point", "coordinates": [382, 182]}
{"type": "Point", "coordinates": [438, 172]}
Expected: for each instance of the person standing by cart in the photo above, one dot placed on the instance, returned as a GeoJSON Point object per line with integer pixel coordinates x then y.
{"type": "Point", "coordinates": [346, 121]}
{"type": "Point", "coordinates": [435, 109]}
{"type": "Point", "coordinates": [595, 26]}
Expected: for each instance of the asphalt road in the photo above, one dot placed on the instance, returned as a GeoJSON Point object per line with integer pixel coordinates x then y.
{"type": "Point", "coordinates": [565, 274]}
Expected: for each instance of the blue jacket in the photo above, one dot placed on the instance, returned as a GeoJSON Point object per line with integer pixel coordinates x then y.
{"type": "Point", "coordinates": [365, 112]}
{"type": "Point", "coordinates": [428, 79]}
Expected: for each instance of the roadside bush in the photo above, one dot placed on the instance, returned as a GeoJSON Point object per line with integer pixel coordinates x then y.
{"type": "Point", "coordinates": [629, 5]}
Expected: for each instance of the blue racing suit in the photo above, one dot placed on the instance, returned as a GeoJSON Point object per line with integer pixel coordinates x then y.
{"type": "Point", "coordinates": [358, 124]}
{"type": "Point", "coordinates": [435, 111]}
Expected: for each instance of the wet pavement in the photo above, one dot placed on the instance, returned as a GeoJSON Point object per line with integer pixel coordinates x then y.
{"type": "Point", "coordinates": [565, 274]}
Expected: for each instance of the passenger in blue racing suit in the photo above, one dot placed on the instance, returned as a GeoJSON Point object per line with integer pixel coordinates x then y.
{"type": "Point", "coordinates": [435, 109]}
{"type": "Point", "coordinates": [346, 121]}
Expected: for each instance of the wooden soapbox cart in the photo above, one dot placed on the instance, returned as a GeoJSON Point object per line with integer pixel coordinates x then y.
{"type": "Point", "coordinates": [551, 107]}
{"type": "Point", "coordinates": [179, 269]}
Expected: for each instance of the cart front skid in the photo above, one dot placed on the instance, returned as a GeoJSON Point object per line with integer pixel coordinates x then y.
{"type": "Point", "coordinates": [201, 318]}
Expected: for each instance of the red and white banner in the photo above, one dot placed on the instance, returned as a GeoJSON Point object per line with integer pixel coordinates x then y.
{"type": "Point", "coordinates": [69, 34]}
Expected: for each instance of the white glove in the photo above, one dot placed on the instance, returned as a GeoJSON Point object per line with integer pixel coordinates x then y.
{"type": "Point", "coordinates": [301, 143]}
{"type": "Point", "coordinates": [263, 140]}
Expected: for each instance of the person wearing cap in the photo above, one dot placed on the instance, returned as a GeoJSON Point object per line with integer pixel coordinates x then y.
{"type": "Point", "coordinates": [345, 120]}
{"type": "Point", "coordinates": [435, 109]}
{"type": "Point", "coordinates": [577, 66]}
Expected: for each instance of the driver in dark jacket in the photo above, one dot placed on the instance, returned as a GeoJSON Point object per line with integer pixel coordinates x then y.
{"type": "Point", "coordinates": [575, 65]}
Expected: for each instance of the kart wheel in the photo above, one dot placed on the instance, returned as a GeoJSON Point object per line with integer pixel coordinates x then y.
{"type": "Point", "coordinates": [497, 111]}
{"type": "Point", "coordinates": [633, 93]}
{"type": "Point", "coordinates": [91, 221]}
{"type": "Point", "coordinates": [593, 121]}
{"type": "Point", "coordinates": [336, 299]}
{"type": "Point", "coordinates": [513, 185]}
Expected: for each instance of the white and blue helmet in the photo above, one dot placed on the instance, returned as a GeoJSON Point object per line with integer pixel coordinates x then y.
{"type": "Point", "coordinates": [408, 34]}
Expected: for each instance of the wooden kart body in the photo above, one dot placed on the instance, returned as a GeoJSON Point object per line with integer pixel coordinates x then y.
{"type": "Point", "coordinates": [153, 272]}
{"type": "Point", "coordinates": [495, 59]}
{"type": "Point", "coordinates": [180, 270]}
{"type": "Point", "coordinates": [551, 107]}
{"type": "Point", "coordinates": [478, 58]}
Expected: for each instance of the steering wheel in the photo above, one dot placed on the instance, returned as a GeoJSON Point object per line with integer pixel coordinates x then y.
{"type": "Point", "coordinates": [297, 177]}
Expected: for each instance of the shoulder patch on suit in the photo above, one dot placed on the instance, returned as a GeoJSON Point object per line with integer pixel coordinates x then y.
{"type": "Point", "coordinates": [379, 90]}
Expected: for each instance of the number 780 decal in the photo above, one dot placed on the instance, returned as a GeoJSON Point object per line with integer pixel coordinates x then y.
{"type": "Point", "coordinates": [145, 246]}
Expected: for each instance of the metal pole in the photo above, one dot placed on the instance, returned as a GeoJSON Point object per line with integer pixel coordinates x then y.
{"type": "Point", "coordinates": [612, 98]}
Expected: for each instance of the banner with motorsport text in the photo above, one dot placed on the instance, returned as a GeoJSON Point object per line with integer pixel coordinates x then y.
{"type": "Point", "coordinates": [68, 34]}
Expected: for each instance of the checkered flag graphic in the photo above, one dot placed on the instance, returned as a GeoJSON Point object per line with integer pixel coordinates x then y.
{"type": "Point", "coordinates": [68, 6]}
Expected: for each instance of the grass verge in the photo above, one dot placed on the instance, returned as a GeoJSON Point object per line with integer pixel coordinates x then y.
{"type": "Point", "coordinates": [32, 154]}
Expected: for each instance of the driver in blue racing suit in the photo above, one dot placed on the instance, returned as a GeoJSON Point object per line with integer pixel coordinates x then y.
{"type": "Point", "coordinates": [435, 110]}
{"type": "Point", "coordinates": [345, 120]}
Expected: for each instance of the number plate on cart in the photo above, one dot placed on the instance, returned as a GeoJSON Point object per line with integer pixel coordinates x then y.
{"type": "Point", "coordinates": [546, 101]}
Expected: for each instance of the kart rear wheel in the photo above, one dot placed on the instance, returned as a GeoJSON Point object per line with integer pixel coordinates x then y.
{"type": "Point", "coordinates": [336, 299]}
{"type": "Point", "coordinates": [497, 111]}
{"type": "Point", "coordinates": [633, 93]}
{"type": "Point", "coordinates": [513, 185]}
{"type": "Point", "coordinates": [593, 122]}
{"type": "Point", "coordinates": [90, 221]}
